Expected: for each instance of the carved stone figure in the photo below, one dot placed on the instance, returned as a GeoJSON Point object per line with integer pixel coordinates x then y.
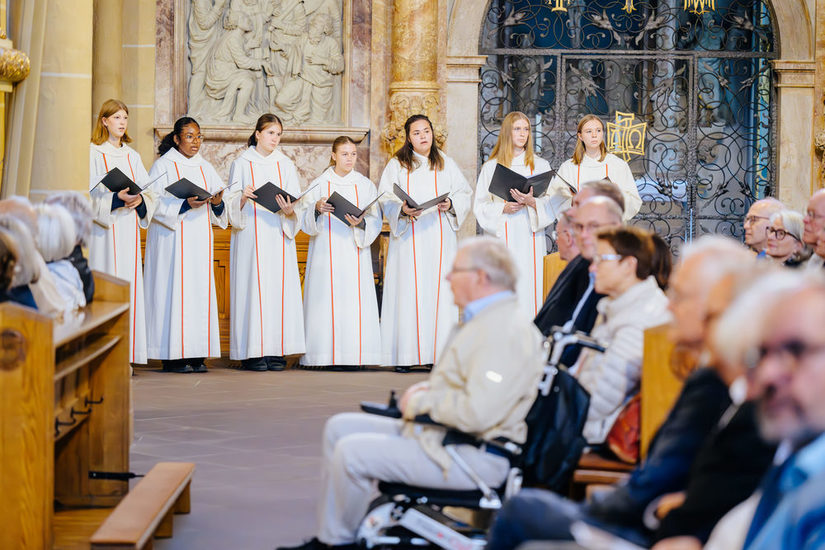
{"type": "Point", "coordinates": [203, 33]}
{"type": "Point", "coordinates": [231, 73]}
{"type": "Point", "coordinates": [322, 60]}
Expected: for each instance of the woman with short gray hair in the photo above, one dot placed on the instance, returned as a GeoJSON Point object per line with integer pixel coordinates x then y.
{"type": "Point", "coordinates": [785, 243]}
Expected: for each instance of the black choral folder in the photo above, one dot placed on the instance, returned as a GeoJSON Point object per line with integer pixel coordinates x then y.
{"type": "Point", "coordinates": [116, 181]}
{"type": "Point", "coordinates": [505, 179]}
{"type": "Point", "coordinates": [343, 207]}
{"type": "Point", "coordinates": [265, 196]}
{"type": "Point", "coordinates": [401, 194]}
{"type": "Point", "coordinates": [183, 189]}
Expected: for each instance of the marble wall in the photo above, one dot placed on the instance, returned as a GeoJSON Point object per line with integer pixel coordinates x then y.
{"type": "Point", "coordinates": [308, 147]}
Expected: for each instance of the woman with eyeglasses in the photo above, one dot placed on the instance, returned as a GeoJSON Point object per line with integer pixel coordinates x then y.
{"type": "Point", "coordinates": [592, 162]}
{"type": "Point", "coordinates": [785, 244]}
{"type": "Point", "coordinates": [521, 220]}
{"type": "Point", "coordinates": [181, 305]}
{"type": "Point", "coordinates": [629, 269]}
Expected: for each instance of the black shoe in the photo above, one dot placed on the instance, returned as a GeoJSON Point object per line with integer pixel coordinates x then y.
{"type": "Point", "coordinates": [200, 367]}
{"type": "Point", "coordinates": [177, 365]}
{"type": "Point", "coordinates": [316, 544]}
{"type": "Point", "coordinates": [275, 362]}
{"type": "Point", "coordinates": [255, 364]}
{"type": "Point", "coordinates": [402, 369]}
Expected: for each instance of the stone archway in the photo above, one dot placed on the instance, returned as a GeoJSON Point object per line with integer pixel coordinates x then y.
{"type": "Point", "coordinates": [795, 70]}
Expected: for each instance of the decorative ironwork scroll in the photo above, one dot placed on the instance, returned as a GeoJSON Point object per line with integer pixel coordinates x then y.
{"type": "Point", "coordinates": [701, 83]}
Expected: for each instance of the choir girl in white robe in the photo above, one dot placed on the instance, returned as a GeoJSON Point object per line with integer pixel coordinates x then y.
{"type": "Point", "coordinates": [265, 294]}
{"type": "Point", "coordinates": [181, 306]}
{"type": "Point", "coordinates": [592, 162]}
{"type": "Point", "coordinates": [340, 305]}
{"type": "Point", "coordinates": [520, 224]}
{"type": "Point", "coordinates": [114, 244]}
{"type": "Point", "coordinates": [417, 311]}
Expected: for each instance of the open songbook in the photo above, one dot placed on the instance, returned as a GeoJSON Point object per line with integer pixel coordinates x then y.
{"type": "Point", "coordinates": [183, 189]}
{"type": "Point", "coordinates": [401, 194]}
{"type": "Point", "coordinates": [265, 196]}
{"type": "Point", "coordinates": [505, 179]}
{"type": "Point", "coordinates": [116, 181]}
{"type": "Point", "coordinates": [343, 207]}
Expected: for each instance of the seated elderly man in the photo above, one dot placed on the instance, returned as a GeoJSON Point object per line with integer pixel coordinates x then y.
{"type": "Point", "coordinates": [814, 226]}
{"type": "Point", "coordinates": [757, 221]}
{"type": "Point", "coordinates": [484, 384]}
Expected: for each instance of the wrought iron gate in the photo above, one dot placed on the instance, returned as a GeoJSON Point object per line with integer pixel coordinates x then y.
{"type": "Point", "coordinates": [701, 82]}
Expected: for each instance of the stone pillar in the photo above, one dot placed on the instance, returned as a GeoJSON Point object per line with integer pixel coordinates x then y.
{"type": "Point", "coordinates": [107, 63]}
{"type": "Point", "coordinates": [414, 88]}
{"type": "Point", "coordinates": [64, 109]}
{"type": "Point", "coordinates": [463, 78]}
{"type": "Point", "coordinates": [796, 159]}
{"type": "Point", "coordinates": [139, 74]}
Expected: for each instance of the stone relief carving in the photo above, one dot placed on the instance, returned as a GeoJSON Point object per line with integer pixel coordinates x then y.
{"type": "Point", "coordinates": [253, 56]}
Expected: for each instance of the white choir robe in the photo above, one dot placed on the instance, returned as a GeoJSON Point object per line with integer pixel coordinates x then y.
{"type": "Point", "coordinates": [591, 170]}
{"type": "Point", "coordinates": [418, 311]}
{"type": "Point", "coordinates": [522, 231]}
{"type": "Point", "coordinates": [114, 244]}
{"type": "Point", "coordinates": [265, 288]}
{"type": "Point", "coordinates": [181, 306]}
{"type": "Point", "coordinates": [340, 305]}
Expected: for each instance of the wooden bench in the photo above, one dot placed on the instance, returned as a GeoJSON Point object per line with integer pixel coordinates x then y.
{"type": "Point", "coordinates": [148, 510]}
{"type": "Point", "coordinates": [553, 266]}
{"type": "Point", "coordinates": [659, 388]}
{"type": "Point", "coordinates": [65, 405]}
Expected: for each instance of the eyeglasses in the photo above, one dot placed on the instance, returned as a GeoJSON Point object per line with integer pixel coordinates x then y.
{"type": "Point", "coordinates": [193, 137]}
{"type": "Point", "coordinates": [780, 234]}
{"type": "Point", "coordinates": [752, 219]}
{"type": "Point", "coordinates": [599, 258]}
{"type": "Point", "coordinates": [793, 349]}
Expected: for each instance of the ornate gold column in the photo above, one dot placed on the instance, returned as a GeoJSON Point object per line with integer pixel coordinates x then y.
{"type": "Point", "coordinates": [14, 67]}
{"type": "Point", "coordinates": [414, 88]}
{"type": "Point", "coordinates": [64, 109]}
{"type": "Point", "coordinates": [107, 63]}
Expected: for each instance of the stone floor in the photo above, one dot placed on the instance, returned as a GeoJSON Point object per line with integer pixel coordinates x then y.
{"type": "Point", "coordinates": [255, 440]}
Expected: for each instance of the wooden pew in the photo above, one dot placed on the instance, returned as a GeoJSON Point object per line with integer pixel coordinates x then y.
{"type": "Point", "coordinates": [553, 266]}
{"type": "Point", "coordinates": [659, 387]}
{"type": "Point", "coordinates": [64, 412]}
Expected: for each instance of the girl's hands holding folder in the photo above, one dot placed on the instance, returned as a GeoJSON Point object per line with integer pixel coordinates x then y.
{"type": "Point", "coordinates": [248, 193]}
{"type": "Point", "coordinates": [526, 199]}
{"type": "Point", "coordinates": [323, 207]}
{"type": "Point", "coordinates": [131, 201]}
{"type": "Point", "coordinates": [353, 221]}
{"type": "Point", "coordinates": [445, 205]}
{"type": "Point", "coordinates": [411, 212]}
{"type": "Point", "coordinates": [194, 202]}
{"type": "Point", "coordinates": [286, 205]}
{"type": "Point", "coordinates": [217, 199]}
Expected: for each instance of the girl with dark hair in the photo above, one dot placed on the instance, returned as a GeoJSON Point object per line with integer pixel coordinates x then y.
{"type": "Point", "coordinates": [182, 308]}
{"type": "Point", "coordinates": [519, 222]}
{"type": "Point", "coordinates": [629, 268]}
{"type": "Point", "coordinates": [265, 292]}
{"type": "Point", "coordinates": [417, 307]}
{"type": "Point", "coordinates": [592, 162]}
{"type": "Point", "coordinates": [340, 305]}
{"type": "Point", "coordinates": [114, 242]}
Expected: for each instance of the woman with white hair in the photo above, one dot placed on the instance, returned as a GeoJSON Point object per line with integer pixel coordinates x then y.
{"type": "Point", "coordinates": [785, 245]}
{"type": "Point", "coordinates": [55, 239]}
{"type": "Point", "coordinates": [81, 210]}
{"type": "Point", "coordinates": [26, 269]}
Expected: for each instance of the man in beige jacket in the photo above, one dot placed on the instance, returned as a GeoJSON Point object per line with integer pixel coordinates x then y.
{"type": "Point", "coordinates": [484, 384]}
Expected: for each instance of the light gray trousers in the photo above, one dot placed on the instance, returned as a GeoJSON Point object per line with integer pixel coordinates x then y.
{"type": "Point", "coordinates": [360, 449]}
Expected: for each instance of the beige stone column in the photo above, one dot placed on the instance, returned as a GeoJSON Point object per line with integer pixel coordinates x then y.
{"type": "Point", "coordinates": [414, 88]}
{"type": "Point", "coordinates": [463, 78]}
{"type": "Point", "coordinates": [796, 159]}
{"type": "Point", "coordinates": [139, 74]}
{"type": "Point", "coordinates": [64, 113]}
{"type": "Point", "coordinates": [107, 63]}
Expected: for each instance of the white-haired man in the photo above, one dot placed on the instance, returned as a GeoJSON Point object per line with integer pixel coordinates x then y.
{"type": "Point", "coordinates": [484, 384]}
{"type": "Point", "coordinates": [757, 221]}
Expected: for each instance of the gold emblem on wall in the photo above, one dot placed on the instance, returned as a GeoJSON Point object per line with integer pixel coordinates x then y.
{"type": "Point", "coordinates": [625, 136]}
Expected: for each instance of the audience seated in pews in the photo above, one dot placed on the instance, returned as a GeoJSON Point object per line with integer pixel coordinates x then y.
{"type": "Point", "coordinates": [81, 210]}
{"type": "Point", "coordinates": [756, 224]}
{"type": "Point", "coordinates": [689, 434]}
{"type": "Point", "coordinates": [55, 240]}
{"type": "Point", "coordinates": [785, 245]}
{"type": "Point", "coordinates": [565, 237]}
{"type": "Point", "coordinates": [27, 269]}
{"type": "Point", "coordinates": [627, 267]}
{"type": "Point", "coordinates": [9, 268]}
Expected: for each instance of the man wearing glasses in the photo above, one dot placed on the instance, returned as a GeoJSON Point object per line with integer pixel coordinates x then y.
{"type": "Point", "coordinates": [757, 222]}
{"type": "Point", "coordinates": [814, 228]}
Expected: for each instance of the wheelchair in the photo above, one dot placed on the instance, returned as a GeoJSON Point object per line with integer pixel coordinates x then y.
{"type": "Point", "coordinates": [406, 516]}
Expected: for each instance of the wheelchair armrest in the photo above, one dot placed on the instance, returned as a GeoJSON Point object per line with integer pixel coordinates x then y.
{"type": "Point", "coordinates": [380, 409]}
